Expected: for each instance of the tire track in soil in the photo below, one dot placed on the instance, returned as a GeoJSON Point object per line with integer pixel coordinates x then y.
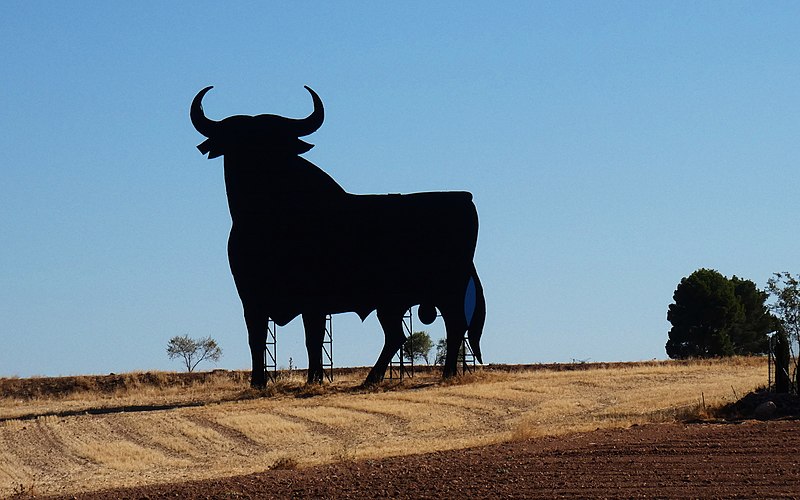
{"type": "Point", "coordinates": [45, 454]}
{"type": "Point", "coordinates": [312, 425]}
{"type": "Point", "coordinates": [346, 439]}
{"type": "Point", "coordinates": [40, 435]}
{"type": "Point", "coordinates": [124, 430]}
{"type": "Point", "coordinates": [396, 420]}
{"type": "Point", "coordinates": [244, 445]}
{"type": "Point", "coordinates": [396, 424]}
{"type": "Point", "coordinates": [321, 432]}
{"type": "Point", "coordinates": [503, 406]}
{"type": "Point", "coordinates": [474, 413]}
{"type": "Point", "coordinates": [480, 418]}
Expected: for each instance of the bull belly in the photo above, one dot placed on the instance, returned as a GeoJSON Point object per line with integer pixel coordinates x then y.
{"type": "Point", "coordinates": [358, 255]}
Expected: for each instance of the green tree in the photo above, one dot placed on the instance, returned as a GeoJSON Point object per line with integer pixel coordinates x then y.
{"type": "Point", "coordinates": [193, 351]}
{"type": "Point", "coordinates": [750, 336]}
{"type": "Point", "coordinates": [441, 352]}
{"type": "Point", "coordinates": [785, 290]}
{"type": "Point", "coordinates": [716, 316]}
{"type": "Point", "coordinates": [418, 346]}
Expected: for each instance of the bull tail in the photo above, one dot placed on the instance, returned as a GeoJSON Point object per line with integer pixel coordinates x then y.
{"type": "Point", "coordinates": [475, 313]}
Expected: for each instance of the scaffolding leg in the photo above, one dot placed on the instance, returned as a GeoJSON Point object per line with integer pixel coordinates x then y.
{"type": "Point", "coordinates": [271, 352]}
{"type": "Point", "coordinates": [398, 366]}
{"type": "Point", "coordinates": [466, 358]}
{"type": "Point", "coordinates": [327, 349]}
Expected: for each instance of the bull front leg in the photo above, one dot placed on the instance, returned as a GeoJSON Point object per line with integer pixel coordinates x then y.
{"type": "Point", "coordinates": [314, 326]}
{"type": "Point", "coordinates": [256, 321]}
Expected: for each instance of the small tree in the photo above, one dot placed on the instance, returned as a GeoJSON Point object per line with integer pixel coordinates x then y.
{"type": "Point", "coordinates": [418, 346]}
{"type": "Point", "coordinates": [785, 289]}
{"type": "Point", "coordinates": [441, 352]}
{"type": "Point", "coordinates": [193, 351]}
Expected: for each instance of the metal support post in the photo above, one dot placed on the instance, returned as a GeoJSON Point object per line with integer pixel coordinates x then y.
{"type": "Point", "coordinates": [398, 364]}
{"type": "Point", "coordinates": [271, 351]}
{"type": "Point", "coordinates": [769, 364]}
{"type": "Point", "coordinates": [327, 349]}
{"type": "Point", "coordinates": [466, 358]}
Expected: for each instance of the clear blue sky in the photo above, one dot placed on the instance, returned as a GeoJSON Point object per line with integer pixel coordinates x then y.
{"type": "Point", "coordinates": [612, 149]}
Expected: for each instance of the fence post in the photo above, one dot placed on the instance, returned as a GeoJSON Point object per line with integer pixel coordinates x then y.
{"type": "Point", "coordinates": [783, 382]}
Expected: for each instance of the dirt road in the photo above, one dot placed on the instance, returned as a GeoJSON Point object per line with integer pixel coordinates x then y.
{"type": "Point", "coordinates": [744, 460]}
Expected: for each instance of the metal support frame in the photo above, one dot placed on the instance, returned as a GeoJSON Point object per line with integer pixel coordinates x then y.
{"type": "Point", "coordinates": [398, 364]}
{"type": "Point", "coordinates": [271, 351]}
{"type": "Point", "coordinates": [466, 358]}
{"type": "Point", "coordinates": [327, 349]}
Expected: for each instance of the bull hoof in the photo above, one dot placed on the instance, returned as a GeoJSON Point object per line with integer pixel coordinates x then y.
{"type": "Point", "coordinates": [372, 380]}
{"type": "Point", "coordinates": [315, 376]}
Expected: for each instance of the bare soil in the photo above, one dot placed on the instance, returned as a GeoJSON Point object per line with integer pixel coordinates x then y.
{"type": "Point", "coordinates": [748, 459]}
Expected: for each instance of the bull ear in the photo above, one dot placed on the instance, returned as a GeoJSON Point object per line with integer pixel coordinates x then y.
{"type": "Point", "coordinates": [205, 146]}
{"type": "Point", "coordinates": [210, 147]}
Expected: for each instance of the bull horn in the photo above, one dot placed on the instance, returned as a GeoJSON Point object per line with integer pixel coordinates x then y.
{"type": "Point", "coordinates": [312, 122]}
{"type": "Point", "coordinates": [204, 125]}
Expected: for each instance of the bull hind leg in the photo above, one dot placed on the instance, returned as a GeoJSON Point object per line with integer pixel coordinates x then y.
{"type": "Point", "coordinates": [455, 327]}
{"type": "Point", "coordinates": [256, 320]}
{"type": "Point", "coordinates": [314, 326]}
{"type": "Point", "coordinates": [392, 323]}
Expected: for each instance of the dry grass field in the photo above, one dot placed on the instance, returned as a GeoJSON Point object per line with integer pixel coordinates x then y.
{"type": "Point", "coordinates": [137, 433]}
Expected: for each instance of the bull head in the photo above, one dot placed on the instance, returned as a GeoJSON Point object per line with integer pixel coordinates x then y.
{"type": "Point", "coordinates": [267, 134]}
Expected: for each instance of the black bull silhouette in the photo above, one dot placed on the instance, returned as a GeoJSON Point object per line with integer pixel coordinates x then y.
{"type": "Point", "coordinates": [301, 245]}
